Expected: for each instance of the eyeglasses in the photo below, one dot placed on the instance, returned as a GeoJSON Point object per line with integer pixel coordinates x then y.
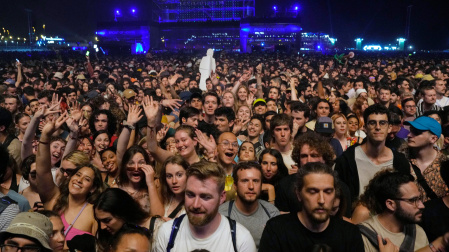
{"type": "Point", "coordinates": [15, 248]}
{"type": "Point", "coordinates": [226, 144]}
{"type": "Point", "coordinates": [69, 171]}
{"type": "Point", "coordinates": [414, 200]}
{"type": "Point", "coordinates": [373, 123]}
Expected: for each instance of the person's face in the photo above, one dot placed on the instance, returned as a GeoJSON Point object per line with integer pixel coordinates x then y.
{"type": "Point", "coordinates": [227, 147]}
{"type": "Point", "coordinates": [317, 196]}
{"type": "Point", "coordinates": [82, 182]}
{"type": "Point", "coordinates": [228, 100]}
{"type": "Point", "coordinates": [202, 199]}
{"type": "Point", "coordinates": [322, 109]}
{"type": "Point", "coordinates": [405, 85]}
{"type": "Point", "coordinates": [364, 106]}
{"type": "Point", "coordinates": [176, 178]}
{"type": "Point", "coordinates": [353, 124]}
{"type": "Point", "coordinates": [358, 85]}
{"type": "Point", "coordinates": [248, 185]}
{"type": "Point", "coordinates": [108, 222]}
{"type": "Point", "coordinates": [32, 174]}
{"type": "Point", "coordinates": [271, 106]}
{"type": "Point", "coordinates": [309, 155]}
{"type": "Point", "coordinates": [125, 84]}
{"type": "Point", "coordinates": [394, 98]}
{"type": "Point", "coordinates": [109, 160]}
{"type": "Point", "coordinates": [260, 109]}
{"type": "Point", "coordinates": [71, 97]}
{"type": "Point", "coordinates": [282, 135]}
{"type": "Point", "coordinates": [269, 166]}
{"type": "Point", "coordinates": [34, 106]}
{"type": "Point", "coordinates": [299, 118]}
{"type": "Point", "coordinates": [20, 242]}
{"type": "Point", "coordinates": [253, 88]}
{"type": "Point", "coordinates": [101, 142]}
{"type": "Point", "coordinates": [210, 105]}
{"type": "Point", "coordinates": [380, 129]}
{"type": "Point", "coordinates": [273, 94]}
{"type": "Point", "coordinates": [384, 96]}
{"type": "Point", "coordinates": [85, 87]}
{"type": "Point", "coordinates": [242, 94]}
{"type": "Point", "coordinates": [11, 105]}
{"type": "Point", "coordinates": [101, 122]}
{"type": "Point", "coordinates": [255, 128]}
{"type": "Point", "coordinates": [222, 123]}
{"type": "Point", "coordinates": [340, 126]}
{"type": "Point", "coordinates": [11, 90]}
{"type": "Point", "coordinates": [58, 238]}
{"type": "Point", "coordinates": [23, 124]}
{"type": "Point", "coordinates": [430, 96]}
{"type": "Point", "coordinates": [247, 152]}
{"type": "Point", "coordinates": [347, 87]}
{"type": "Point", "coordinates": [419, 138]}
{"type": "Point", "coordinates": [134, 168]}
{"type": "Point", "coordinates": [134, 243]}
{"type": "Point", "coordinates": [56, 150]}
{"type": "Point", "coordinates": [244, 113]}
{"type": "Point", "coordinates": [268, 121]}
{"type": "Point", "coordinates": [410, 108]}
{"type": "Point", "coordinates": [86, 147]}
{"type": "Point", "coordinates": [197, 103]}
{"type": "Point", "coordinates": [193, 84]}
{"type": "Point", "coordinates": [409, 212]}
{"type": "Point", "coordinates": [440, 87]}
{"type": "Point", "coordinates": [184, 143]}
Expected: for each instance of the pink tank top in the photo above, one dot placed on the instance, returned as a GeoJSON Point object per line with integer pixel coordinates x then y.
{"type": "Point", "coordinates": [73, 231]}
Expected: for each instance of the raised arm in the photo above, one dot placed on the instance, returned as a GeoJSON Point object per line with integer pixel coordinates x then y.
{"type": "Point", "coordinates": [74, 122]}
{"type": "Point", "coordinates": [320, 90]}
{"type": "Point", "coordinates": [47, 189]}
{"type": "Point", "coordinates": [293, 88]}
{"type": "Point", "coordinates": [19, 74]}
{"type": "Point", "coordinates": [153, 113]}
{"type": "Point", "coordinates": [134, 115]}
{"type": "Point", "coordinates": [157, 207]}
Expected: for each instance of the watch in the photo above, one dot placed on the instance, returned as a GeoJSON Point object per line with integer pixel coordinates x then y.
{"type": "Point", "coordinates": [126, 125]}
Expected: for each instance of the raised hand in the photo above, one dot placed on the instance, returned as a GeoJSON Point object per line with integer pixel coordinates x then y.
{"type": "Point", "coordinates": [171, 103]}
{"type": "Point", "coordinates": [238, 125]}
{"type": "Point", "coordinates": [134, 115]}
{"type": "Point", "coordinates": [250, 100]}
{"type": "Point", "coordinates": [55, 100]}
{"type": "Point", "coordinates": [207, 142]}
{"type": "Point", "coordinates": [151, 109]}
{"type": "Point", "coordinates": [161, 133]}
{"type": "Point", "coordinates": [149, 173]}
{"type": "Point", "coordinates": [75, 111]}
{"type": "Point", "coordinates": [54, 124]}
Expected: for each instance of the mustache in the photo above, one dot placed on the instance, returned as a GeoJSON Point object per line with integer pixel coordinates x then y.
{"type": "Point", "coordinates": [196, 210]}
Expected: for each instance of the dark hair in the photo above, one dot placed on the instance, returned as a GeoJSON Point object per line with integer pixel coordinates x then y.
{"type": "Point", "coordinates": [315, 106]}
{"type": "Point", "coordinates": [267, 114]}
{"type": "Point", "coordinates": [45, 94]}
{"type": "Point", "coordinates": [403, 102]}
{"type": "Point", "coordinates": [282, 169]}
{"type": "Point", "coordinates": [5, 118]}
{"type": "Point", "coordinates": [26, 166]}
{"type": "Point", "coordinates": [187, 112]}
{"type": "Point", "coordinates": [97, 133]}
{"type": "Point", "coordinates": [121, 205]}
{"type": "Point", "coordinates": [4, 157]}
{"type": "Point", "coordinates": [225, 111]}
{"type": "Point", "coordinates": [211, 94]}
{"type": "Point", "coordinates": [165, 190]}
{"type": "Point", "coordinates": [377, 109]}
{"type": "Point", "coordinates": [127, 230]}
{"type": "Point", "coordinates": [129, 154]}
{"type": "Point", "coordinates": [279, 120]}
{"type": "Point", "coordinates": [300, 107]}
{"type": "Point", "coordinates": [315, 142]}
{"type": "Point", "coordinates": [245, 165]}
{"type": "Point", "coordinates": [388, 185]}
{"type": "Point", "coordinates": [112, 120]}
{"type": "Point", "coordinates": [313, 168]}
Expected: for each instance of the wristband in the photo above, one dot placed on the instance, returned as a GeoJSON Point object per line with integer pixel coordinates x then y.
{"type": "Point", "coordinates": [41, 142]}
{"type": "Point", "coordinates": [432, 247]}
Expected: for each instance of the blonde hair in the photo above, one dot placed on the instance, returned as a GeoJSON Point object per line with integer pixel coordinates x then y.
{"type": "Point", "coordinates": [204, 170]}
{"type": "Point", "coordinates": [78, 158]}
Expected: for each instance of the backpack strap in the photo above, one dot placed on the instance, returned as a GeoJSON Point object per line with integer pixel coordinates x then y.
{"type": "Point", "coordinates": [174, 232]}
{"type": "Point", "coordinates": [266, 210]}
{"type": "Point", "coordinates": [176, 211]}
{"type": "Point", "coordinates": [231, 204]}
{"type": "Point", "coordinates": [409, 240]}
{"type": "Point", "coordinates": [233, 225]}
{"type": "Point", "coordinates": [371, 235]}
{"type": "Point", "coordinates": [152, 223]}
{"type": "Point", "coordinates": [5, 201]}
{"type": "Point", "coordinates": [8, 141]}
{"type": "Point", "coordinates": [423, 183]}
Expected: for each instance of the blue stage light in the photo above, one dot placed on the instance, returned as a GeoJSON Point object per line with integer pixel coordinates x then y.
{"type": "Point", "coordinates": [133, 10]}
{"type": "Point", "coordinates": [274, 7]}
{"type": "Point", "coordinates": [296, 8]}
{"type": "Point", "coordinates": [117, 12]}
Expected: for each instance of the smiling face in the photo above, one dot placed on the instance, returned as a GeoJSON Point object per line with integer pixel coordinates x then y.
{"type": "Point", "coordinates": [101, 142]}
{"type": "Point", "coordinates": [227, 148]}
{"type": "Point", "coordinates": [56, 150]}
{"type": "Point", "coordinates": [242, 94]}
{"type": "Point", "coordinates": [255, 128]}
{"type": "Point", "coordinates": [82, 182]}
{"type": "Point", "coordinates": [244, 113]}
{"type": "Point", "coordinates": [184, 143]}
{"type": "Point", "coordinates": [176, 178]}
{"type": "Point", "coordinates": [109, 160]}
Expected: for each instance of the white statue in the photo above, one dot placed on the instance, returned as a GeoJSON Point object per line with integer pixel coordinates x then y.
{"type": "Point", "coordinates": [207, 66]}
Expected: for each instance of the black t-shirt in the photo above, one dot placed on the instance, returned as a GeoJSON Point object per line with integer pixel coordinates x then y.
{"type": "Point", "coordinates": [435, 219]}
{"type": "Point", "coordinates": [286, 233]}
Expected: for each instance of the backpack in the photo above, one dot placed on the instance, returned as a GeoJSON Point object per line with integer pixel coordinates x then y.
{"type": "Point", "coordinates": [177, 223]}
{"type": "Point", "coordinates": [408, 244]}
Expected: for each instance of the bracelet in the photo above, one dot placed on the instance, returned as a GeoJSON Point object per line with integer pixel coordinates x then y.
{"type": "Point", "coordinates": [74, 138]}
{"type": "Point", "coordinates": [41, 142]}
{"type": "Point", "coordinates": [432, 247]}
{"type": "Point", "coordinates": [271, 200]}
{"type": "Point", "coordinates": [150, 126]}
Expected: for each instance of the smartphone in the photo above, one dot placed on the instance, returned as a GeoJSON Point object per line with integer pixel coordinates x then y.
{"type": "Point", "coordinates": [87, 53]}
{"type": "Point", "coordinates": [17, 60]}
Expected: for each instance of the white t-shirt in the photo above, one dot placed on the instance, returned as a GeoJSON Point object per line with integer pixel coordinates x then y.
{"type": "Point", "coordinates": [220, 240]}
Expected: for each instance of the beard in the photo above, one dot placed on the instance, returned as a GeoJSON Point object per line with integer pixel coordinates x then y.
{"type": "Point", "coordinates": [407, 218]}
{"type": "Point", "coordinates": [318, 217]}
{"type": "Point", "coordinates": [200, 221]}
{"type": "Point", "coordinates": [245, 199]}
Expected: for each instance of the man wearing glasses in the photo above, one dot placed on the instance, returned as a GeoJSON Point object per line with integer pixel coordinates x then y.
{"type": "Point", "coordinates": [400, 208]}
{"type": "Point", "coordinates": [227, 149]}
{"type": "Point", "coordinates": [359, 163]}
{"type": "Point", "coordinates": [28, 232]}
{"type": "Point", "coordinates": [426, 162]}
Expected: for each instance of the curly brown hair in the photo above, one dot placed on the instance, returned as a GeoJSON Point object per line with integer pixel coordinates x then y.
{"type": "Point", "coordinates": [316, 142]}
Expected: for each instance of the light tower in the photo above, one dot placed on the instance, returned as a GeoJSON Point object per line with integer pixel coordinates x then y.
{"type": "Point", "coordinates": [358, 45]}
{"type": "Point", "coordinates": [401, 42]}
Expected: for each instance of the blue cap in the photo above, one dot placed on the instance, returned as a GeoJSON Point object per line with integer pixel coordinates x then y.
{"type": "Point", "coordinates": [426, 123]}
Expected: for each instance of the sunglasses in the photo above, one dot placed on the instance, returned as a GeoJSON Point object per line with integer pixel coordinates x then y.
{"type": "Point", "coordinates": [69, 171]}
{"type": "Point", "coordinates": [416, 131]}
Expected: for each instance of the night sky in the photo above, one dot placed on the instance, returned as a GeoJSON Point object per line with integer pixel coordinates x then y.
{"type": "Point", "coordinates": [377, 21]}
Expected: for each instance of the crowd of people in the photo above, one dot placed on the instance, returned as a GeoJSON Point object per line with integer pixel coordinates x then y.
{"type": "Point", "coordinates": [279, 152]}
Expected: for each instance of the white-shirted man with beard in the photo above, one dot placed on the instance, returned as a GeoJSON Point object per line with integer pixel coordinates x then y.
{"type": "Point", "coordinates": [204, 227]}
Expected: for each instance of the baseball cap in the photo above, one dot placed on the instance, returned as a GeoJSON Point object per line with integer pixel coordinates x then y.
{"type": "Point", "coordinates": [259, 101]}
{"type": "Point", "coordinates": [128, 93]}
{"type": "Point", "coordinates": [426, 123]}
{"type": "Point", "coordinates": [324, 125]}
{"type": "Point", "coordinates": [33, 225]}
{"type": "Point", "coordinates": [185, 95]}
